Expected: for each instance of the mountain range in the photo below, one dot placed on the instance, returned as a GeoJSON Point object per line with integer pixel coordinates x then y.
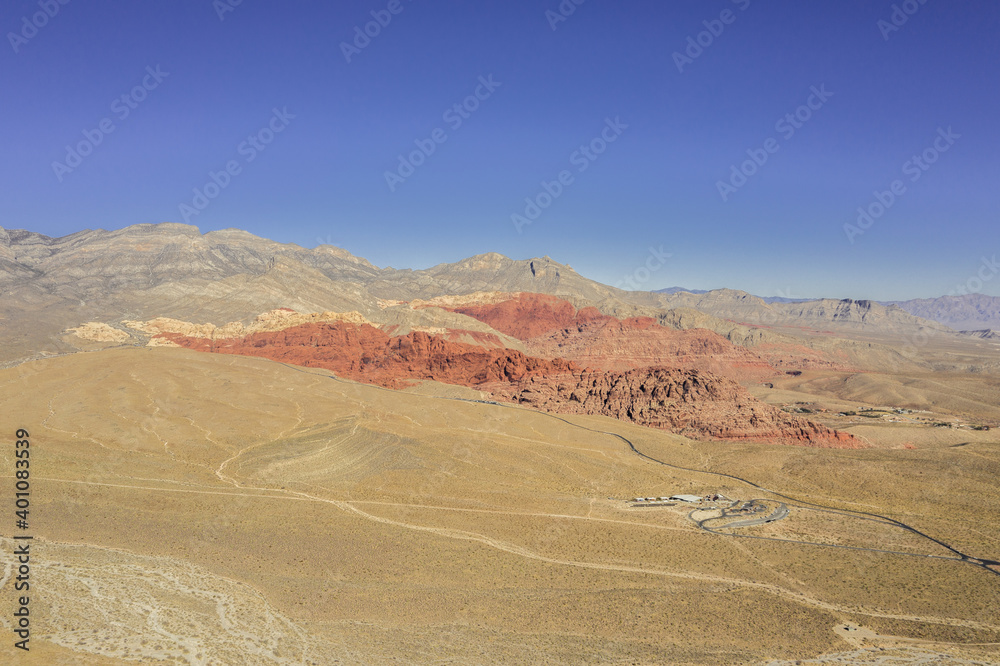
{"type": "Point", "coordinates": [529, 331]}
{"type": "Point", "coordinates": [966, 312]}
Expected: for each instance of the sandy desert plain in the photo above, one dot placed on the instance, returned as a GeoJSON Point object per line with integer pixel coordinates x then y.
{"type": "Point", "coordinates": [248, 452]}
{"type": "Point", "coordinates": [296, 368]}
{"type": "Point", "coordinates": [212, 509]}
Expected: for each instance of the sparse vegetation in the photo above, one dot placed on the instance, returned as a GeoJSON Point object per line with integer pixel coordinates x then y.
{"type": "Point", "coordinates": [376, 495]}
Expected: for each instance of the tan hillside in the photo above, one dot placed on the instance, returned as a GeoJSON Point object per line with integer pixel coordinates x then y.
{"type": "Point", "coordinates": [227, 506]}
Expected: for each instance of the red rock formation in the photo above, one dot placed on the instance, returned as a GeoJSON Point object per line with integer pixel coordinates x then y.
{"type": "Point", "coordinates": [690, 402]}
{"type": "Point", "coordinates": [553, 328]}
{"type": "Point", "coordinates": [686, 402]}
{"type": "Point", "coordinates": [613, 344]}
{"type": "Point", "coordinates": [367, 354]}
{"type": "Point", "coordinates": [527, 315]}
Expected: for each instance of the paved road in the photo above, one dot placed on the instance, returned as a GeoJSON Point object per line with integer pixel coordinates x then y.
{"type": "Point", "coordinates": [777, 514]}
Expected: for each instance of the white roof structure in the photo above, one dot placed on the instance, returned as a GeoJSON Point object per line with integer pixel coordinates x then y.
{"type": "Point", "coordinates": [686, 498]}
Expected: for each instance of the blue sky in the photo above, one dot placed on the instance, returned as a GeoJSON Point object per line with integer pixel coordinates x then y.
{"type": "Point", "coordinates": [680, 127]}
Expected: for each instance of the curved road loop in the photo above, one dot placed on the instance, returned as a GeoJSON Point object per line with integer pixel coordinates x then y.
{"type": "Point", "coordinates": [777, 514]}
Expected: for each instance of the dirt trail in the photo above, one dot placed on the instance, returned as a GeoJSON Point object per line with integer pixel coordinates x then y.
{"type": "Point", "coordinates": [349, 507]}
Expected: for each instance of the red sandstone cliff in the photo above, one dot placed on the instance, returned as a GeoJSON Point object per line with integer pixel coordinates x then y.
{"type": "Point", "coordinates": [552, 327]}
{"type": "Point", "coordinates": [370, 355]}
{"type": "Point", "coordinates": [527, 316]}
{"type": "Point", "coordinates": [690, 402]}
{"type": "Point", "coordinates": [686, 402]}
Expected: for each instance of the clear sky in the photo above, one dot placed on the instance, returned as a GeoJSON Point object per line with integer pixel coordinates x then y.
{"type": "Point", "coordinates": [183, 86]}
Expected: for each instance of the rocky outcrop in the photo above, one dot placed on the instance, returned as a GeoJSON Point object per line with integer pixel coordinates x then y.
{"type": "Point", "coordinates": [368, 354]}
{"type": "Point", "coordinates": [98, 332]}
{"type": "Point", "coordinates": [686, 402]}
{"type": "Point", "coordinates": [552, 327]}
{"type": "Point", "coordinates": [987, 334]}
{"type": "Point", "coordinates": [690, 402]}
{"type": "Point", "coordinates": [275, 320]}
{"type": "Point", "coordinates": [526, 316]}
{"type": "Point", "coordinates": [613, 344]}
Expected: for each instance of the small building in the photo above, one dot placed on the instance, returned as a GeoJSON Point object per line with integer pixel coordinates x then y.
{"type": "Point", "coordinates": [686, 498]}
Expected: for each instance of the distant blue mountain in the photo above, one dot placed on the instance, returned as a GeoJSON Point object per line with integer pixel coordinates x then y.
{"type": "Point", "coordinates": [674, 290]}
{"type": "Point", "coordinates": [766, 299]}
{"type": "Point", "coordinates": [782, 299]}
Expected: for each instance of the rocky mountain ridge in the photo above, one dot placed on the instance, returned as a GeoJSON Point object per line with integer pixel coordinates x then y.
{"type": "Point", "coordinates": [485, 320]}
{"type": "Point", "coordinates": [138, 273]}
{"type": "Point", "coordinates": [98, 265]}
{"type": "Point", "coordinates": [960, 312]}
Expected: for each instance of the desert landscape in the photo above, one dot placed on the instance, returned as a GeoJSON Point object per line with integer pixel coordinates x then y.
{"type": "Point", "coordinates": [505, 333]}
{"type": "Point", "coordinates": [293, 459]}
